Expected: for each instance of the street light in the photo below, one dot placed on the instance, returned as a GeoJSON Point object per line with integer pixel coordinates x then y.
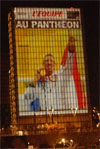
{"type": "Point", "coordinates": [20, 133]}
{"type": "Point", "coordinates": [63, 141]}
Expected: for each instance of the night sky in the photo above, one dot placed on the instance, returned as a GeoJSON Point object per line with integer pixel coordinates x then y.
{"type": "Point", "coordinates": [90, 11]}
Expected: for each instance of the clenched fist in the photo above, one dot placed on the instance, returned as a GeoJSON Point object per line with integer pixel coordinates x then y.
{"type": "Point", "coordinates": [71, 44]}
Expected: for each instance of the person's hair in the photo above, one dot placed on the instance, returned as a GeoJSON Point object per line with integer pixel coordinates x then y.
{"type": "Point", "coordinates": [49, 54]}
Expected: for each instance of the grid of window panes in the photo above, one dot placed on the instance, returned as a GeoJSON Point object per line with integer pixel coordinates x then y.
{"type": "Point", "coordinates": [51, 77]}
{"type": "Point", "coordinates": [50, 70]}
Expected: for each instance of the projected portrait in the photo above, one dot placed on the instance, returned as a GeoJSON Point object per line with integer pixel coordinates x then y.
{"type": "Point", "coordinates": [50, 65]}
{"type": "Point", "coordinates": [61, 89]}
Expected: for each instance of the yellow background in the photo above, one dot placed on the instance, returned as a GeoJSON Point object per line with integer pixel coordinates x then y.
{"type": "Point", "coordinates": [33, 44]}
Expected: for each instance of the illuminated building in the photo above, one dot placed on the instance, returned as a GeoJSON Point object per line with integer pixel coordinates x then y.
{"type": "Point", "coordinates": [59, 99]}
{"type": "Point", "coordinates": [33, 34]}
{"type": "Point", "coordinates": [89, 25]}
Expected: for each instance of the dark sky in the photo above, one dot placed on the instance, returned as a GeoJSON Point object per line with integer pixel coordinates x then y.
{"type": "Point", "coordinates": [90, 11]}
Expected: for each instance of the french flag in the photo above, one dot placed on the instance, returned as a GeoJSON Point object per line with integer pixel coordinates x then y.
{"type": "Point", "coordinates": [82, 101]}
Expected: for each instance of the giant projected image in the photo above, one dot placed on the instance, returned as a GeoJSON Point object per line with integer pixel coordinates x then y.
{"type": "Point", "coordinates": [50, 68]}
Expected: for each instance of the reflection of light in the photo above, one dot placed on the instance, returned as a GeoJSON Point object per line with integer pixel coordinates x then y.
{"type": "Point", "coordinates": [28, 142]}
{"type": "Point", "coordinates": [52, 110]}
{"type": "Point", "coordinates": [71, 140]}
{"type": "Point", "coordinates": [98, 125]}
{"type": "Point", "coordinates": [76, 110]}
{"type": "Point", "coordinates": [20, 133]}
{"type": "Point", "coordinates": [63, 140]}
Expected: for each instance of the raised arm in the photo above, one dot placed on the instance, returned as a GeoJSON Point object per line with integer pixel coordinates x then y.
{"type": "Point", "coordinates": [36, 77]}
{"type": "Point", "coordinates": [69, 48]}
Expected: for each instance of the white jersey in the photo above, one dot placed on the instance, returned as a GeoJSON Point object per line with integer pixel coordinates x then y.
{"type": "Point", "coordinates": [60, 94]}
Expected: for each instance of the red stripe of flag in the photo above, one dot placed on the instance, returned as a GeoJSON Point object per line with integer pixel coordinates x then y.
{"type": "Point", "coordinates": [78, 85]}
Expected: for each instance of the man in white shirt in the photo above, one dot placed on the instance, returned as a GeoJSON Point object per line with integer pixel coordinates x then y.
{"type": "Point", "coordinates": [61, 90]}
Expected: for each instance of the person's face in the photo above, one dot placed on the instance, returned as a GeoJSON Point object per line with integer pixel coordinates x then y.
{"type": "Point", "coordinates": [49, 64]}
